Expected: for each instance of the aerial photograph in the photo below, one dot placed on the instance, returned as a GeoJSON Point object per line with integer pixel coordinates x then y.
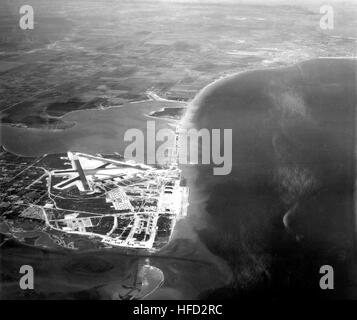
{"type": "Point", "coordinates": [178, 150]}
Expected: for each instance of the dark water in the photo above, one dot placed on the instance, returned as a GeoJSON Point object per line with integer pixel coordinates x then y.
{"type": "Point", "coordinates": [102, 274]}
{"type": "Point", "coordinates": [287, 208]}
{"type": "Point", "coordinates": [95, 131]}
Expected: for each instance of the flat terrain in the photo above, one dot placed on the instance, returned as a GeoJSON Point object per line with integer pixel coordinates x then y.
{"type": "Point", "coordinates": [87, 54]}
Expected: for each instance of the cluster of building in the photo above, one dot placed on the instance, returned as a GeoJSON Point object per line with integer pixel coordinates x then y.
{"type": "Point", "coordinates": [119, 199]}
{"type": "Point", "coordinates": [138, 196]}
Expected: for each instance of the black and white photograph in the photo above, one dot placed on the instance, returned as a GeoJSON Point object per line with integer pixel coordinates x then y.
{"type": "Point", "coordinates": [182, 150]}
